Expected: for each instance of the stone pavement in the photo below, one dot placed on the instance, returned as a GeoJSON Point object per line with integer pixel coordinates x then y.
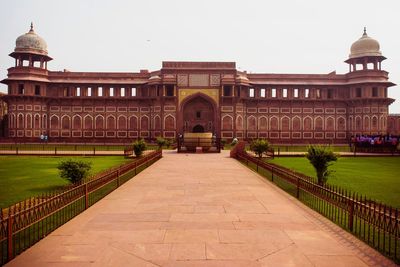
{"type": "Point", "coordinates": [199, 210]}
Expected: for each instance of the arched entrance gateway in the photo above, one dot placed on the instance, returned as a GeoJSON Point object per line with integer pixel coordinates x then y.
{"type": "Point", "coordinates": [198, 119]}
{"type": "Point", "coordinates": [198, 113]}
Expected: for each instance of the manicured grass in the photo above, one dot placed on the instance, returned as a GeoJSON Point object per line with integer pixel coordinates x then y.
{"type": "Point", "coordinates": [376, 177]}
{"type": "Point", "coordinates": [22, 177]}
{"type": "Point", "coordinates": [303, 148]}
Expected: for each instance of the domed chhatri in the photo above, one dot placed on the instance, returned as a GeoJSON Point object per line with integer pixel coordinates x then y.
{"type": "Point", "coordinates": [31, 42]}
{"type": "Point", "coordinates": [365, 47]}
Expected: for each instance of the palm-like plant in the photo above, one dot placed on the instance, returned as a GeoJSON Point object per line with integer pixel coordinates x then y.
{"type": "Point", "coordinates": [321, 158]}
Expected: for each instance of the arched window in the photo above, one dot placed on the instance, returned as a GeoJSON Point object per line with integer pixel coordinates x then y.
{"type": "Point", "coordinates": [44, 121]}
{"type": "Point", "coordinates": [330, 124]}
{"type": "Point", "coordinates": [169, 123]}
{"type": "Point", "coordinates": [358, 123]}
{"type": "Point", "coordinates": [54, 122]}
{"type": "Point", "coordinates": [88, 124]}
{"type": "Point", "coordinates": [76, 122]}
{"type": "Point", "coordinates": [144, 123]}
{"type": "Point", "coordinates": [374, 123]}
{"type": "Point", "coordinates": [251, 123]}
{"type": "Point", "coordinates": [274, 124]}
{"type": "Point", "coordinates": [366, 123]}
{"type": "Point", "coordinates": [227, 122]}
{"type": "Point", "coordinates": [285, 124]}
{"type": "Point", "coordinates": [99, 123]}
{"type": "Point", "coordinates": [133, 123]}
{"type": "Point", "coordinates": [36, 122]}
{"type": "Point", "coordinates": [20, 121]}
{"type": "Point", "coordinates": [296, 124]}
{"type": "Point", "coordinates": [29, 121]}
{"type": "Point", "coordinates": [122, 123]}
{"type": "Point", "coordinates": [239, 123]}
{"type": "Point", "coordinates": [319, 124]}
{"type": "Point", "coordinates": [341, 124]}
{"type": "Point", "coordinates": [65, 123]}
{"type": "Point", "coordinates": [307, 124]}
{"type": "Point", "coordinates": [110, 123]}
{"type": "Point", "coordinates": [157, 123]}
{"type": "Point", "coordinates": [263, 123]}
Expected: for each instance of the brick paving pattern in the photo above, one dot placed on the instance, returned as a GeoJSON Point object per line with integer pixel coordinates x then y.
{"type": "Point", "coordinates": [199, 210]}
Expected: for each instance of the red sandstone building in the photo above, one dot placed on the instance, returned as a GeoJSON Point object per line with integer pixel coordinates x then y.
{"type": "Point", "coordinates": [195, 97]}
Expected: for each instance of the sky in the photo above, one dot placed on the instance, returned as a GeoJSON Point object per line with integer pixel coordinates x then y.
{"type": "Point", "coordinates": [266, 36]}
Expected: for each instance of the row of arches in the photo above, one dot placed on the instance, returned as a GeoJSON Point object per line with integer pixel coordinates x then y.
{"type": "Point", "coordinates": [285, 123]}
{"type": "Point", "coordinates": [27, 121]}
{"type": "Point", "coordinates": [100, 122]}
{"type": "Point", "coordinates": [367, 123]}
{"type": "Point", "coordinates": [308, 123]}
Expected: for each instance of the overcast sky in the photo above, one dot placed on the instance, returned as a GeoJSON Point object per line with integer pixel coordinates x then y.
{"type": "Point", "coordinates": [270, 36]}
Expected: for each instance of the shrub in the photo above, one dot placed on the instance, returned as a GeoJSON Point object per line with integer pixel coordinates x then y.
{"type": "Point", "coordinates": [74, 171]}
{"type": "Point", "coordinates": [138, 147]}
{"type": "Point", "coordinates": [320, 157]}
{"type": "Point", "coordinates": [223, 143]}
{"type": "Point", "coordinates": [168, 142]}
{"type": "Point", "coordinates": [161, 142]}
{"type": "Point", "coordinates": [259, 147]}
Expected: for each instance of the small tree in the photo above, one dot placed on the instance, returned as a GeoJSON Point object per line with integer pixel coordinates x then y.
{"type": "Point", "coordinates": [259, 147]}
{"type": "Point", "coordinates": [161, 142]}
{"type": "Point", "coordinates": [320, 158]}
{"type": "Point", "coordinates": [74, 171]}
{"type": "Point", "coordinates": [138, 147]}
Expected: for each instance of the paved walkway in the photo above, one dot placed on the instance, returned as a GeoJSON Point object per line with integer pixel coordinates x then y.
{"type": "Point", "coordinates": [199, 210]}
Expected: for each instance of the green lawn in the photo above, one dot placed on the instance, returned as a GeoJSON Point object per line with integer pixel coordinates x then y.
{"type": "Point", "coordinates": [22, 177]}
{"type": "Point", "coordinates": [375, 177]}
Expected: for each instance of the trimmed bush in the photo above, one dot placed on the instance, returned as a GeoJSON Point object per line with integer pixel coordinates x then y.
{"type": "Point", "coordinates": [259, 147]}
{"type": "Point", "coordinates": [74, 171]}
{"type": "Point", "coordinates": [161, 142]}
{"type": "Point", "coordinates": [138, 147]}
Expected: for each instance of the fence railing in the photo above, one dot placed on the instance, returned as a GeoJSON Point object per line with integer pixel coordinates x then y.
{"type": "Point", "coordinates": [43, 148]}
{"type": "Point", "coordinates": [23, 225]}
{"type": "Point", "coordinates": [376, 224]}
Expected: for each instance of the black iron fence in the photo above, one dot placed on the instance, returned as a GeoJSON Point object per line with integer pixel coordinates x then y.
{"type": "Point", "coordinates": [375, 223]}
{"type": "Point", "coordinates": [24, 224]}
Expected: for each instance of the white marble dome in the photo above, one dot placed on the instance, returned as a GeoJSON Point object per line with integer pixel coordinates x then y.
{"type": "Point", "coordinates": [364, 47]}
{"type": "Point", "coordinates": [31, 42]}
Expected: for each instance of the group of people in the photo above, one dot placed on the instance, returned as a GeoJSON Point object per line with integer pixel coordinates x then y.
{"type": "Point", "coordinates": [44, 138]}
{"type": "Point", "coordinates": [375, 140]}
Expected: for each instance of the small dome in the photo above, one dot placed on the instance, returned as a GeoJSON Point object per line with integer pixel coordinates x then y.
{"type": "Point", "coordinates": [155, 77]}
{"type": "Point", "coordinates": [31, 42]}
{"type": "Point", "coordinates": [365, 46]}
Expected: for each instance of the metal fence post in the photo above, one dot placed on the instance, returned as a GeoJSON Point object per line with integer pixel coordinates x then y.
{"type": "Point", "coordinates": [298, 188]}
{"type": "Point", "coordinates": [257, 165]}
{"type": "Point", "coordinates": [86, 197]}
{"type": "Point", "coordinates": [272, 174]}
{"type": "Point", "coordinates": [118, 178]}
{"type": "Point", "coordinates": [351, 214]}
{"type": "Point", "coordinates": [135, 167]}
{"type": "Point", "coordinates": [9, 238]}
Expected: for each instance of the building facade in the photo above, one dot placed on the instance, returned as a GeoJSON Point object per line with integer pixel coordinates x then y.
{"type": "Point", "coordinates": [195, 97]}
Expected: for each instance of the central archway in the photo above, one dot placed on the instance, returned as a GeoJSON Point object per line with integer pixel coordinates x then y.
{"type": "Point", "coordinates": [198, 129]}
{"type": "Point", "coordinates": [198, 114]}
